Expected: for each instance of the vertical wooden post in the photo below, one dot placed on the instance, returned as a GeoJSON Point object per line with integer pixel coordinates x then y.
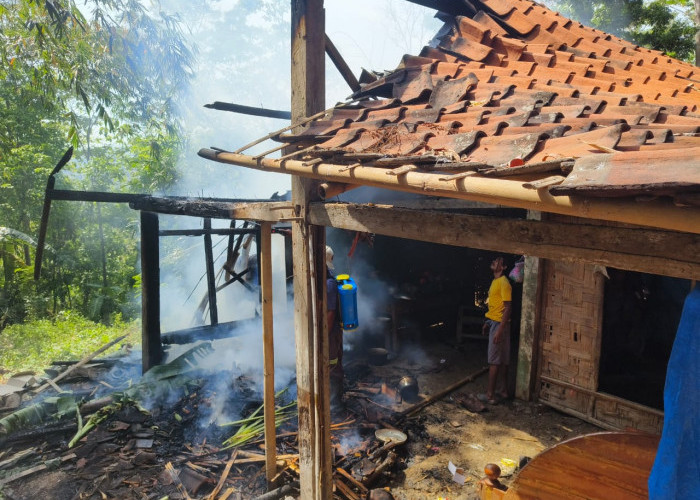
{"type": "Point", "coordinates": [308, 248]}
{"type": "Point", "coordinates": [265, 269]}
{"type": "Point", "coordinates": [528, 349]}
{"type": "Point", "coordinates": [151, 348]}
{"type": "Point", "coordinates": [211, 277]}
{"type": "Point", "coordinates": [258, 251]}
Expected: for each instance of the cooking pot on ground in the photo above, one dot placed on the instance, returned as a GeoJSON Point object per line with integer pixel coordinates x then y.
{"type": "Point", "coordinates": [408, 388]}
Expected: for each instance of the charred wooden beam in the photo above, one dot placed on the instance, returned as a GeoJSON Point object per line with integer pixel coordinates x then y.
{"type": "Point", "coordinates": [245, 210]}
{"type": "Point", "coordinates": [43, 225]}
{"type": "Point", "coordinates": [631, 248]}
{"type": "Point", "coordinates": [234, 250]}
{"type": "Point", "coordinates": [206, 332]}
{"type": "Point", "coordinates": [460, 8]}
{"type": "Point", "coordinates": [235, 277]}
{"type": "Point", "coordinates": [201, 232]}
{"type": "Point", "coordinates": [152, 350]}
{"type": "Point", "coordinates": [249, 110]}
{"type": "Point", "coordinates": [341, 65]}
{"type": "Point", "coordinates": [211, 276]}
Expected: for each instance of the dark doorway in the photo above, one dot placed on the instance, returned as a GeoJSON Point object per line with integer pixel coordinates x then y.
{"type": "Point", "coordinates": [640, 319]}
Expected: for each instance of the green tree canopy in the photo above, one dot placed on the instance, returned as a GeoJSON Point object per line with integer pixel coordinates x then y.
{"type": "Point", "coordinates": [665, 25]}
{"type": "Point", "coordinates": [105, 76]}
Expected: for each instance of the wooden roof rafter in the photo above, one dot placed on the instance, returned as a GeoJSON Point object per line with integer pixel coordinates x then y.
{"type": "Point", "coordinates": [660, 213]}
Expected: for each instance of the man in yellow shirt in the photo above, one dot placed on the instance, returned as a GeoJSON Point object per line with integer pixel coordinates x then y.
{"type": "Point", "coordinates": [497, 326]}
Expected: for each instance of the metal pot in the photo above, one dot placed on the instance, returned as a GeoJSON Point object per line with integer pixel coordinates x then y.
{"type": "Point", "coordinates": [408, 388]}
{"type": "Point", "coordinates": [377, 355]}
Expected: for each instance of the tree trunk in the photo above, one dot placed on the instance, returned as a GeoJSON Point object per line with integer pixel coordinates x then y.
{"type": "Point", "coordinates": [697, 33]}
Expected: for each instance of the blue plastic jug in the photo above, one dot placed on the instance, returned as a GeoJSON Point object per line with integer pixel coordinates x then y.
{"type": "Point", "coordinates": [347, 294]}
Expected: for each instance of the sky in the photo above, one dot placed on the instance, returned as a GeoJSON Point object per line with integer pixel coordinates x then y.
{"type": "Point", "coordinates": [244, 58]}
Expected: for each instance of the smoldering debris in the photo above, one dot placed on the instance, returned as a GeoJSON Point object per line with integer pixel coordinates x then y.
{"type": "Point", "coordinates": [162, 434]}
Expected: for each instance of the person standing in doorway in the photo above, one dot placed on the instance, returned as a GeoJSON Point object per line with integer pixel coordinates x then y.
{"type": "Point", "coordinates": [497, 327]}
{"type": "Point", "coordinates": [335, 332]}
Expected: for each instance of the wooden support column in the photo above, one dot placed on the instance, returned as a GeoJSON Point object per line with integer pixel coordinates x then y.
{"type": "Point", "coordinates": [529, 325]}
{"type": "Point", "coordinates": [211, 277]}
{"type": "Point", "coordinates": [308, 247]}
{"type": "Point", "coordinates": [151, 348]}
{"type": "Point", "coordinates": [265, 269]}
{"type": "Point", "coordinates": [258, 251]}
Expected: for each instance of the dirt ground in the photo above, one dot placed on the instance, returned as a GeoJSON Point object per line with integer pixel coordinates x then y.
{"type": "Point", "coordinates": [446, 431]}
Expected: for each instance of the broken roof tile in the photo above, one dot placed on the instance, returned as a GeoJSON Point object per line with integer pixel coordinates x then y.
{"type": "Point", "coordinates": [379, 103]}
{"type": "Point", "coordinates": [570, 111]}
{"type": "Point", "coordinates": [450, 91]}
{"type": "Point", "coordinates": [513, 49]}
{"type": "Point", "coordinates": [409, 61]}
{"type": "Point", "coordinates": [578, 145]}
{"type": "Point", "coordinates": [459, 143]}
{"type": "Point", "coordinates": [549, 129]}
{"type": "Point", "coordinates": [521, 23]}
{"type": "Point", "coordinates": [500, 150]}
{"type": "Point", "coordinates": [369, 124]}
{"type": "Point", "coordinates": [391, 115]}
{"type": "Point", "coordinates": [672, 119]}
{"type": "Point", "coordinates": [633, 138]}
{"type": "Point", "coordinates": [593, 105]}
{"type": "Point", "coordinates": [446, 69]}
{"type": "Point", "coordinates": [500, 7]}
{"type": "Point", "coordinates": [487, 21]}
{"type": "Point", "coordinates": [543, 116]}
{"type": "Point", "coordinates": [611, 118]}
{"type": "Point", "coordinates": [632, 173]}
{"type": "Point", "coordinates": [656, 136]}
{"type": "Point", "coordinates": [489, 128]}
{"type": "Point", "coordinates": [420, 114]}
{"type": "Point", "coordinates": [466, 48]}
{"type": "Point", "coordinates": [649, 111]}
{"type": "Point", "coordinates": [471, 29]}
{"type": "Point", "coordinates": [353, 114]}
{"type": "Point", "coordinates": [323, 127]}
{"type": "Point", "coordinates": [415, 88]}
{"type": "Point", "coordinates": [341, 138]}
{"type": "Point", "coordinates": [472, 116]}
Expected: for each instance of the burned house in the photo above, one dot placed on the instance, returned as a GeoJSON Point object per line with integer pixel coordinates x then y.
{"type": "Point", "coordinates": [515, 131]}
{"type": "Point", "coordinates": [592, 139]}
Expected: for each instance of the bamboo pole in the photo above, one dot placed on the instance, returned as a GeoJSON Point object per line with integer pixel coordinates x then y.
{"type": "Point", "coordinates": [80, 363]}
{"type": "Point", "coordinates": [268, 350]}
{"type": "Point", "coordinates": [435, 397]}
{"type": "Point", "coordinates": [330, 189]}
{"type": "Point", "coordinates": [508, 192]}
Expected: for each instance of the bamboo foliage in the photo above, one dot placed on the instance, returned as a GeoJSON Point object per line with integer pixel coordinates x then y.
{"type": "Point", "coordinates": [49, 410]}
{"type": "Point", "coordinates": [253, 426]}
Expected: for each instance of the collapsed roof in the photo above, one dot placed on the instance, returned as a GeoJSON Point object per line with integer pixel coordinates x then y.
{"type": "Point", "coordinates": [511, 89]}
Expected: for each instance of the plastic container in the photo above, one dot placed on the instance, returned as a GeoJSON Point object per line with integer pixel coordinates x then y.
{"type": "Point", "coordinates": [347, 295]}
